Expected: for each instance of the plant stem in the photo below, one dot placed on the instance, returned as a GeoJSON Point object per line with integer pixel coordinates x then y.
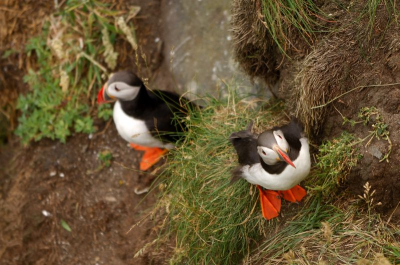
{"type": "Point", "coordinates": [351, 90]}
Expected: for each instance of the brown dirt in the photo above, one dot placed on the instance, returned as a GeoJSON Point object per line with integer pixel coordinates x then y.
{"type": "Point", "coordinates": [99, 205]}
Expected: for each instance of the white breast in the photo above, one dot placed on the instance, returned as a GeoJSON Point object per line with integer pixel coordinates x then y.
{"type": "Point", "coordinates": [135, 131]}
{"type": "Point", "coordinates": [288, 178]}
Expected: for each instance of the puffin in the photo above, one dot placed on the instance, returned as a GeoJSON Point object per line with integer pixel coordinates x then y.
{"type": "Point", "coordinates": [149, 120]}
{"type": "Point", "coordinates": [276, 161]}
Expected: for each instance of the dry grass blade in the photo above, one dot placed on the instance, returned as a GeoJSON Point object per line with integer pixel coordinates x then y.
{"type": "Point", "coordinates": [320, 79]}
{"type": "Point", "coordinates": [254, 48]}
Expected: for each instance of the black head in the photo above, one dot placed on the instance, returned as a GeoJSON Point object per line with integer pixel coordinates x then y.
{"type": "Point", "coordinates": [126, 77]}
{"type": "Point", "coordinates": [123, 85]}
{"type": "Point", "coordinates": [273, 147]}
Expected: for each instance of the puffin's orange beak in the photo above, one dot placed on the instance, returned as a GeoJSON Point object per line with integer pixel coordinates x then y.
{"type": "Point", "coordinates": [283, 155]}
{"type": "Point", "coordinates": [100, 96]}
{"type": "Point", "coordinates": [103, 97]}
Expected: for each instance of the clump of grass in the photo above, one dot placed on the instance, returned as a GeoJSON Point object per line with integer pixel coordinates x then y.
{"type": "Point", "coordinates": [335, 160]}
{"type": "Point", "coordinates": [214, 222]}
{"type": "Point", "coordinates": [254, 48]}
{"type": "Point", "coordinates": [260, 31]}
{"type": "Point", "coordinates": [344, 235]}
{"type": "Point", "coordinates": [371, 7]}
{"type": "Point", "coordinates": [105, 158]}
{"type": "Point", "coordinates": [323, 75]}
{"type": "Point", "coordinates": [282, 16]}
{"type": "Point", "coordinates": [68, 61]}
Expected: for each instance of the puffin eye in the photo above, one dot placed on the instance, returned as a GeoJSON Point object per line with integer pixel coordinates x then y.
{"type": "Point", "coordinates": [117, 89]}
{"type": "Point", "coordinates": [264, 152]}
{"type": "Point", "coordinates": [279, 136]}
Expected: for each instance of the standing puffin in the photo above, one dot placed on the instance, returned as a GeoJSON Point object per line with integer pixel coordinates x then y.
{"type": "Point", "coordinates": [276, 161]}
{"type": "Point", "coordinates": [150, 120]}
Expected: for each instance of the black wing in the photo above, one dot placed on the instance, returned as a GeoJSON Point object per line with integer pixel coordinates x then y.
{"type": "Point", "coordinates": [171, 110]}
{"type": "Point", "coordinates": [245, 144]}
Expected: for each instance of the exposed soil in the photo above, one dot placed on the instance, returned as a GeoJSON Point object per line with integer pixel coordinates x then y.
{"type": "Point", "coordinates": [50, 183]}
{"type": "Point", "coordinates": [98, 204]}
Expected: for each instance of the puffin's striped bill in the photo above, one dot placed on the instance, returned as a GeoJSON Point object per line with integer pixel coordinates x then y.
{"type": "Point", "coordinates": [285, 157]}
{"type": "Point", "coordinates": [103, 97]}
{"type": "Point", "coordinates": [100, 96]}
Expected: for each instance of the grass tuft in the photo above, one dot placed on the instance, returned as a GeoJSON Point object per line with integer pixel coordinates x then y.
{"type": "Point", "coordinates": [265, 31]}
{"type": "Point", "coordinates": [371, 9]}
{"type": "Point", "coordinates": [335, 160]}
{"type": "Point", "coordinates": [67, 63]}
{"type": "Point", "coordinates": [282, 16]}
{"type": "Point", "coordinates": [254, 48]}
{"type": "Point", "coordinates": [214, 222]}
{"type": "Point", "coordinates": [322, 75]}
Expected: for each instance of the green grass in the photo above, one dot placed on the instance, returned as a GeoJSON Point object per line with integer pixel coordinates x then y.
{"type": "Point", "coordinates": [303, 16]}
{"type": "Point", "coordinates": [72, 57]}
{"type": "Point", "coordinates": [214, 222]}
{"type": "Point", "coordinates": [341, 235]}
{"type": "Point", "coordinates": [282, 16]}
{"type": "Point", "coordinates": [371, 9]}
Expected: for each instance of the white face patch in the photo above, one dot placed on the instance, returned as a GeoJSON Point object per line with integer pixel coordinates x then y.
{"type": "Point", "coordinates": [281, 141]}
{"type": "Point", "coordinates": [123, 91]}
{"type": "Point", "coordinates": [269, 156]}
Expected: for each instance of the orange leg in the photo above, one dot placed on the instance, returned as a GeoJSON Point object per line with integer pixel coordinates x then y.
{"type": "Point", "coordinates": [295, 194]}
{"type": "Point", "coordinates": [151, 155]}
{"type": "Point", "coordinates": [270, 203]}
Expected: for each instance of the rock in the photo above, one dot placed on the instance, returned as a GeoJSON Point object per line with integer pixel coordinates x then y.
{"type": "Point", "coordinates": [110, 199]}
{"type": "Point", "coordinates": [373, 150]}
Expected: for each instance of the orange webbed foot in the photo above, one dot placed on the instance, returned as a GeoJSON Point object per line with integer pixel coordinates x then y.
{"type": "Point", "coordinates": [294, 194]}
{"type": "Point", "coordinates": [270, 203]}
{"type": "Point", "coordinates": [151, 155]}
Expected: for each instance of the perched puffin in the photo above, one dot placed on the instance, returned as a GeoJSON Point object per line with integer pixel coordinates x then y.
{"type": "Point", "coordinates": [276, 161]}
{"type": "Point", "coordinates": [150, 120]}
